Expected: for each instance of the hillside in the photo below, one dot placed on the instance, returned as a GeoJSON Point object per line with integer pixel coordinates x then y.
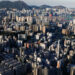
{"type": "Point", "coordinates": [16, 4]}
{"type": "Point", "coordinates": [20, 5]}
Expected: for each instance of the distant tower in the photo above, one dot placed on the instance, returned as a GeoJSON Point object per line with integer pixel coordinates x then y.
{"type": "Point", "coordinates": [58, 47]}
{"type": "Point", "coordinates": [35, 67]}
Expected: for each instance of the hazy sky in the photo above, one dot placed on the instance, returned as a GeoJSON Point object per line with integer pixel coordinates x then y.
{"type": "Point", "coordinates": [68, 3]}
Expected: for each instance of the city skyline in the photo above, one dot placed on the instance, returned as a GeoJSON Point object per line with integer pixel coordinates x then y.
{"type": "Point", "coordinates": [37, 37]}
{"type": "Point", "coordinates": [67, 3]}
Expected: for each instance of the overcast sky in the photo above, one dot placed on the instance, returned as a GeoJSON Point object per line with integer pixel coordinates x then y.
{"type": "Point", "coordinates": [67, 3]}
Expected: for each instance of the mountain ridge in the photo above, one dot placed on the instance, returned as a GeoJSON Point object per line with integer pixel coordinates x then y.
{"type": "Point", "coordinates": [21, 4]}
